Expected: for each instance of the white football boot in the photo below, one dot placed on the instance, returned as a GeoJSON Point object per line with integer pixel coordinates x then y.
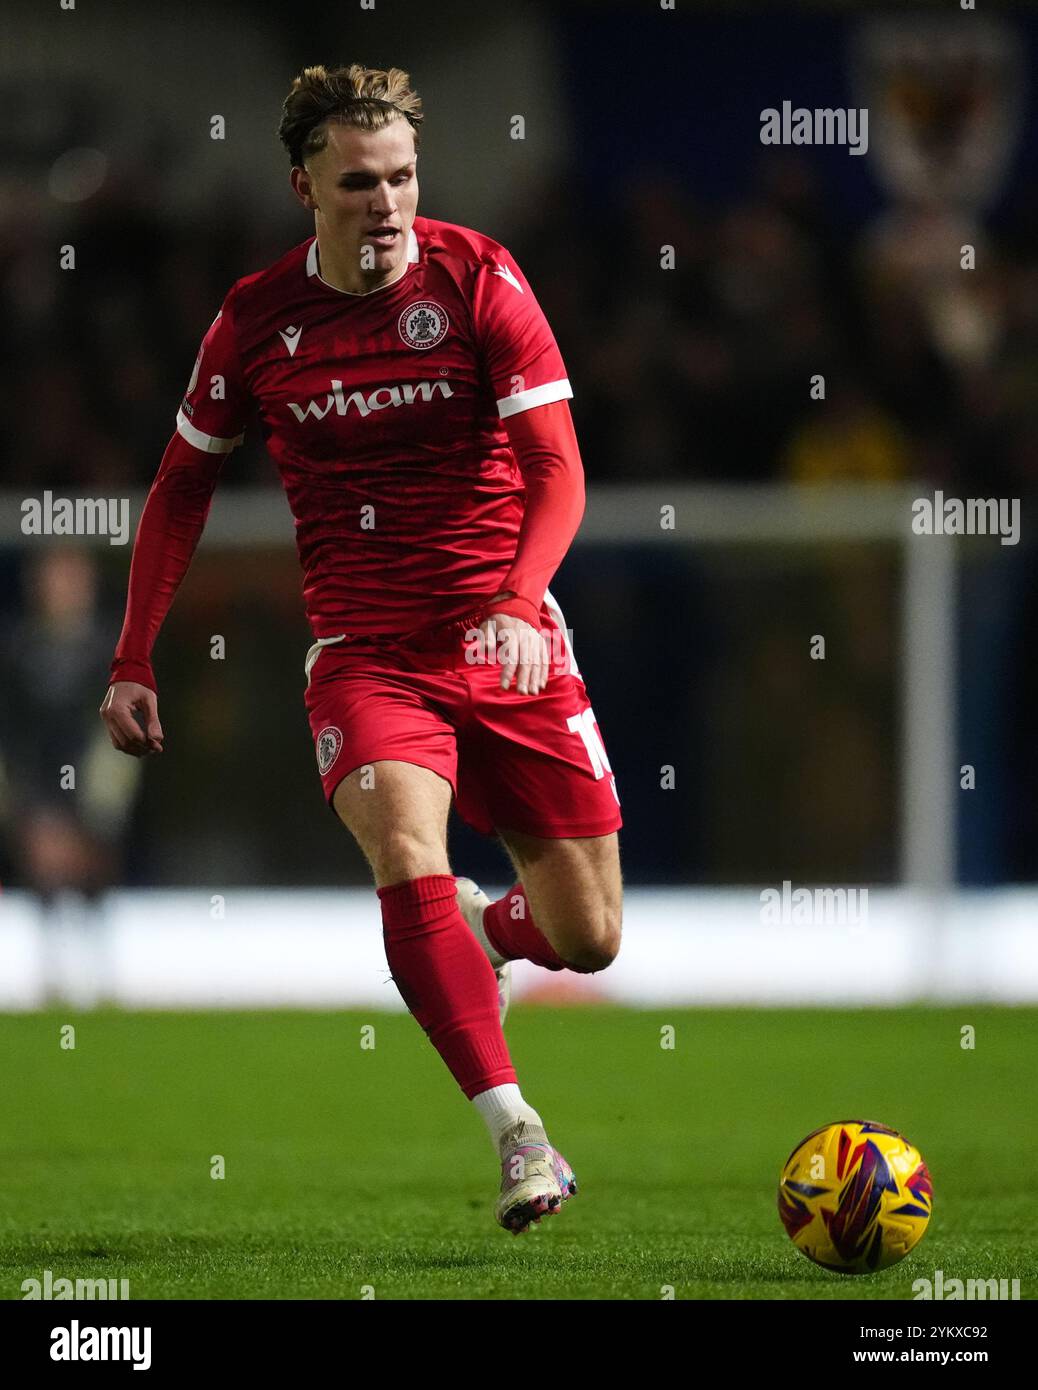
{"type": "Point", "coordinates": [535, 1178]}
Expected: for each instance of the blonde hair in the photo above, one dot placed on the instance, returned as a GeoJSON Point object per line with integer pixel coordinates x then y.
{"type": "Point", "coordinates": [368, 98]}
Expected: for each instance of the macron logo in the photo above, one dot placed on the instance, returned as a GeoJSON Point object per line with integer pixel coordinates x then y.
{"type": "Point", "coordinates": [291, 338]}
{"type": "Point", "coordinates": [506, 274]}
{"type": "Point", "coordinates": [378, 399]}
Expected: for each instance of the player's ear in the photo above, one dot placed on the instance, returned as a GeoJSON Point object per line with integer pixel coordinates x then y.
{"type": "Point", "coordinates": [303, 187]}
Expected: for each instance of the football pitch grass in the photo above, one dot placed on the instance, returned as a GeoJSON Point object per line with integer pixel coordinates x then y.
{"type": "Point", "coordinates": [352, 1169]}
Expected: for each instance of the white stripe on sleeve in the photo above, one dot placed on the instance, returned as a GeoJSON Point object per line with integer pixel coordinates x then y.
{"type": "Point", "coordinates": [537, 395]}
{"type": "Point", "coordinates": [208, 443]}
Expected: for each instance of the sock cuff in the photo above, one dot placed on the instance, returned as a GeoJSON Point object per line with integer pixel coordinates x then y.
{"type": "Point", "coordinates": [490, 916]}
{"type": "Point", "coordinates": [420, 904]}
{"type": "Point", "coordinates": [432, 888]}
{"type": "Point", "coordinates": [518, 938]}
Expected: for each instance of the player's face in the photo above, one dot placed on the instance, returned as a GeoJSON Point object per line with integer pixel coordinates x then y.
{"type": "Point", "coordinates": [362, 181]}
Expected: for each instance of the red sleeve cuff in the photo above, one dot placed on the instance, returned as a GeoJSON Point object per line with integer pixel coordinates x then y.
{"type": "Point", "coordinates": [126, 669]}
{"type": "Point", "coordinates": [518, 608]}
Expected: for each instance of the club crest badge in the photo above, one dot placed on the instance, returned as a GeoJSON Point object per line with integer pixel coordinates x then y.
{"type": "Point", "coordinates": [423, 324]}
{"type": "Point", "coordinates": [329, 745]}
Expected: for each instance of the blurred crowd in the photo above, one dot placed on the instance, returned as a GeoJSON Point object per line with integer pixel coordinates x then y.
{"type": "Point", "coordinates": [704, 372]}
{"type": "Point", "coordinates": [699, 372]}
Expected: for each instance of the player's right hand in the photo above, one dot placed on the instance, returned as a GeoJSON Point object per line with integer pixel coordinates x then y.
{"type": "Point", "coordinates": [131, 716]}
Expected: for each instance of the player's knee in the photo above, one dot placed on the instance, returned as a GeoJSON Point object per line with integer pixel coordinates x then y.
{"type": "Point", "coordinates": [599, 945]}
{"type": "Point", "coordinates": [405, 855]}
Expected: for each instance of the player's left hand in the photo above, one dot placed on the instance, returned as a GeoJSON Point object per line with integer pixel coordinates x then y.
{"type": "Point", "coordinates": [521, 650]}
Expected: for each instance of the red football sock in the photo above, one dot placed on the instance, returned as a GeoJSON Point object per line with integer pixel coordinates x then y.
{"type": "Point", "coordinates": [445, 980]}
{"type": "Point", "coordinates": [509, 925]}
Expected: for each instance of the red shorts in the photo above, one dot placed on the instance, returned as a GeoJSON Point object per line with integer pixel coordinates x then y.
{"type": "Point", "coordinates": [531, 763]}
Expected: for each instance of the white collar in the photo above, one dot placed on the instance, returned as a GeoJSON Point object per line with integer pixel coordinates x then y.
{"type": "Point", "coordinates": [311, 268]}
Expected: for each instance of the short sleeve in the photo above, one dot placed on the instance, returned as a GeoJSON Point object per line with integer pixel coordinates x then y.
{"type": "Point", "coordinates": [520, 355]}
{"type": "Point", "coordinates": [213, 412]}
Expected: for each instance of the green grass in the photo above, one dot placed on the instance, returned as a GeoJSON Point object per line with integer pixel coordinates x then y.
{"type": "Point", "coordinates": [348, 1167]}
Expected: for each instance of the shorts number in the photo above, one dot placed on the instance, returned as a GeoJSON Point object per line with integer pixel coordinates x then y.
{"type": "Point", "coordinates": [584, 725]}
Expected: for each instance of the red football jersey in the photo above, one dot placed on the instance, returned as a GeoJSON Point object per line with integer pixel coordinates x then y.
{"type": "Point", "coordinates": [383, 412]}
